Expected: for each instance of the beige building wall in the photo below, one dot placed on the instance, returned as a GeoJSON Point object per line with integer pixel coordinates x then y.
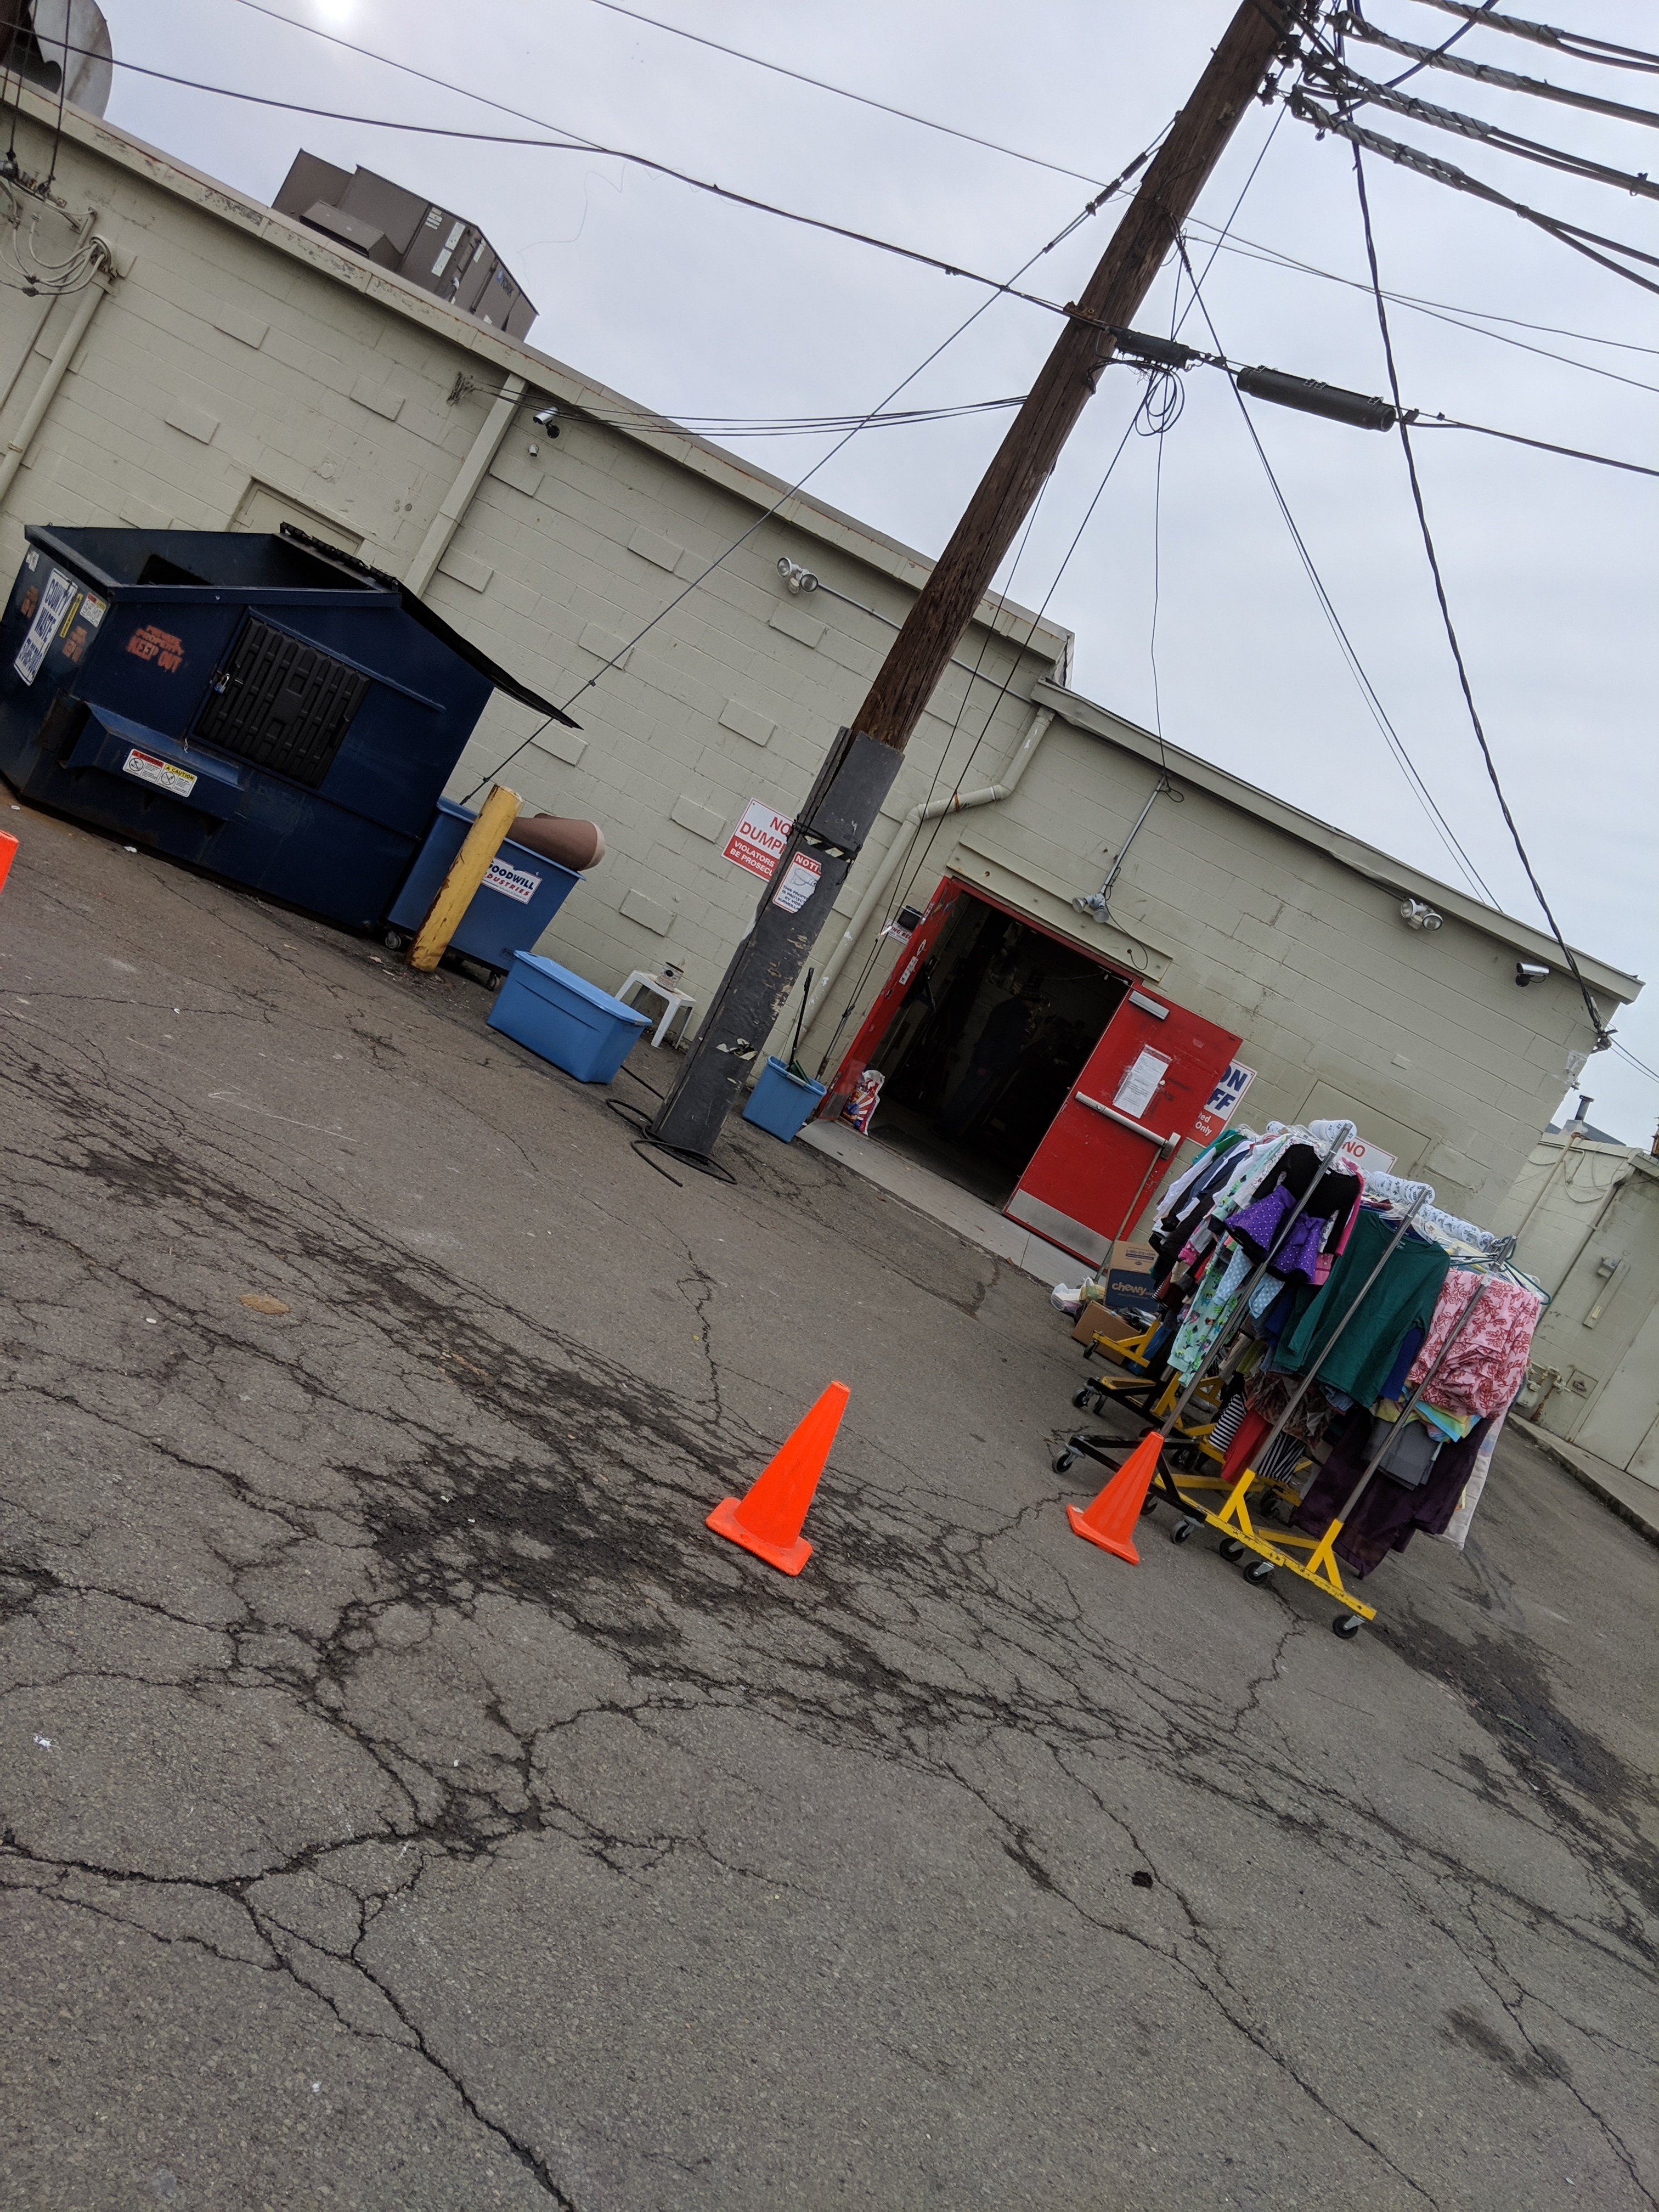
{"type": "Point", "coordinates": [1586, 1218]}
{"type": "Point", "coordinates": [242, 368]}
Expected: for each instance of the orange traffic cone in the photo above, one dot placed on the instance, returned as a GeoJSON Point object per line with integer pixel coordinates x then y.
{"type": "Point", "coordinates": [1109, 1519]}
{"type": "Point", "coordinates": [8, 853]}
{"type": "Point", "coordinates": [767, 1520]}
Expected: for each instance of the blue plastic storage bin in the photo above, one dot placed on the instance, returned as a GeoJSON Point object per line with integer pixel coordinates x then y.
{"type": "Point", "coordinates": [511, 907]}
{"type": "Point", "coordinates": [556, 1014]}
{"type": "Point", "coordinates": [780, 1102]}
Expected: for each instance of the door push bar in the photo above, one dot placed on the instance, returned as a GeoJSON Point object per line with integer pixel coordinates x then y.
{"type": "Point", "coordinates": [1123, 1120]}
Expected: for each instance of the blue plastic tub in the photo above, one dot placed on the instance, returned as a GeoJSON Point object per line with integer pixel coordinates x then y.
{"type": "Point", "coordinates": [578, 1027]}
{"type": "Point", "coordinates": [780, 1102]}
{"type": "Point", "coordinates": [511, 907]}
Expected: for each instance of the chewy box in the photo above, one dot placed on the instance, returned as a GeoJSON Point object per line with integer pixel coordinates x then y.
{"type": "Point", "coordinates": [780, 1102]}
{"type": "Point", "coordinates": [556, 1015]}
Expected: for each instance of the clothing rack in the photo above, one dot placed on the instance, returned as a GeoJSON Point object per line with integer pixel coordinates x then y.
{"type": "Point", "coordinates": [1164, 1403]}
{"type": "Point", "coordinates": [1409, 1206]}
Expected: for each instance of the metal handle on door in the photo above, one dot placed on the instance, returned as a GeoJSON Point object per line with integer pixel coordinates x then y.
{"type": "Point", "coordinates": [1111, 1114]}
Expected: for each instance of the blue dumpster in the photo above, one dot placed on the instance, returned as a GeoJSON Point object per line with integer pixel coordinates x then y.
{"type": "Point", "coordinates": [264, 707]}
{"type": "Point", "coordinates": [510, 908]}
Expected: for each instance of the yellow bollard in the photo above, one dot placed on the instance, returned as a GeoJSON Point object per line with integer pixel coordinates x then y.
{"type": "Point", "coordinates": [467, 871]}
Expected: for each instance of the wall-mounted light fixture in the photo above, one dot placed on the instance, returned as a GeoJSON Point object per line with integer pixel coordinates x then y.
{"type": "Point", "coordinates": [796, 579]}
{"type": "Point", "coordinates": [1417, 913]}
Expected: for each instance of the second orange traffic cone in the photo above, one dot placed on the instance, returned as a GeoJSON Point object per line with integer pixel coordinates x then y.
{"type": "Point", "coordinates": [767, 1520]}
{"type": "Point", "coordinates": [1109, 1519]}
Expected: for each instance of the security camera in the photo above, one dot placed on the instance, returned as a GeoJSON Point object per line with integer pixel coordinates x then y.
{"type": "Point", "coordinates": [547, 418]}
{"type": "Point", "coordinates": [1527, 971]}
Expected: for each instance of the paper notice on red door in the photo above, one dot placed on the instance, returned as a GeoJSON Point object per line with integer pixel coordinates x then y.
{"type": "Point", "coordinates": [758, 841]}
{"type": "Point", "coordinates": [1139, 1080]}
{"type": "Point", "coordinates": [800, 879]}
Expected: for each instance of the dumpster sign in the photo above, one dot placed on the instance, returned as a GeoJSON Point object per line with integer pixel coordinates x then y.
{"type": "Point", "coordinates": [59, 590]}
{"type": "Point", "coordinates": [758, 841]}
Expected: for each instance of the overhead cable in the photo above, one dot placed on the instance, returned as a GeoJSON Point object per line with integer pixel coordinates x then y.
{"type": "Point", "coordinates": [1352, 90]}
{"type": "Point", "coordinates": [1356, 26]}
{"type": "Point", "coordinates": [1579, 44]}
{"type": "Point", "coordinates": [1543, 445]}
{"type": "Point", "coordinates": [1308, 110]}
{"type": "Point", "coordinates": [1602, 1034]}
{"type": "Point", "coordinates": [844, 92]}
{"type": "Point", "coordinates": [1368, 692]}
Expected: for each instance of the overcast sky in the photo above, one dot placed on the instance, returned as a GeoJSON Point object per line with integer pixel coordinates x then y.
{"type": "Point", "coordinates": [694, 307]}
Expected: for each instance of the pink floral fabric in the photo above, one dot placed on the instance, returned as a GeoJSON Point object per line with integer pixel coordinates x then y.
{"type": "Point", "coordinates": [1485, 1367]}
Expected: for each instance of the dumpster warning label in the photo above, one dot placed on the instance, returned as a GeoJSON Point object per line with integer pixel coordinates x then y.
{"type": "Point", "coordinates": [801, 880]}
{"type": "Point", "coordinates": [758, 841]}
{"type": "Point", "coordinates": [520, 883]}
{"type": "Point", "coordinates": [57, 596]}
{"type": "Point", "coordinates": [160, 646]}
{"type": "Point", "coordinates": [150, 768]}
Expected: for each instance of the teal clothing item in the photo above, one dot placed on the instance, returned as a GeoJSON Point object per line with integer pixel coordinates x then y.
{"type": "Point", "coordinates": [1403, 1297]}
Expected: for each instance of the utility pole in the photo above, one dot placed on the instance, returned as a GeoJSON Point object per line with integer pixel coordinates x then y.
{"type": "Point", "coordinates": [841, 807]}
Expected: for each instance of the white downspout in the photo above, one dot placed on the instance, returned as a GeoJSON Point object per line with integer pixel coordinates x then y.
{"type": "Point", "coordinates": [56, 369]}
{"type": "Point", "coordinates": [457, 500]}
{"type": "Point", "coordinates": [894, 858]}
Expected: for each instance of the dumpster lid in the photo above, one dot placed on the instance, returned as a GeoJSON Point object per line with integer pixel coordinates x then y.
{"type": "Point", "coordinates": [419, 611]}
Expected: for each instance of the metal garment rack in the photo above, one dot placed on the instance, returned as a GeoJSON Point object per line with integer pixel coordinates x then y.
{"type": "Point", "coordinates": [1164, 1401]}
{"type": "Point", "coordinates": [1320, 1567]}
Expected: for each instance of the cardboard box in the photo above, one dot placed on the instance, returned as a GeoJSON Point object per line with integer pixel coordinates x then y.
{"type": "Point", "coordinates": [1130, 1271]}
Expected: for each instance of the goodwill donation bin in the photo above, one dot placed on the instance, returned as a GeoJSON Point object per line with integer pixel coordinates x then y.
{"type": "Point", "coordinates": [265, 707]}
{"type": "Point", "coordinates": [519, 897]}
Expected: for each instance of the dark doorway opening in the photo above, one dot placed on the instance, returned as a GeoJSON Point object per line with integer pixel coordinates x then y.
{"type": "Point", "coordinates": [993, 1031]}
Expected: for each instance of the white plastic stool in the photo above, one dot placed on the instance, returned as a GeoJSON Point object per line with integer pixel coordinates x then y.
{"type": "Point", "coordinates": [676, 1005]}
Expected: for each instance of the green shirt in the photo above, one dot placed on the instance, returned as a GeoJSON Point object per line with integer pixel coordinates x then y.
{"type": "Point", "coordinates": [1402, 1297]}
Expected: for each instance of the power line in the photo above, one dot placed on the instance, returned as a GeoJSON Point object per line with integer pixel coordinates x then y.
{"type": "Point", "coordinates": [1353, 25]}
{"type": "Point", "coordinates": [1579, 44]}
{"type": "Point", "coordinates": [1308, 110]}
{"type": "Point", "coordinates": [1352, 90]}
{"type": "Point", "coordinates": [1542, 445]}
{"type": "Point", "coordinates": [843, 92]}
{"type": "Point", "coordinates": [1379, 714]}
{"type": "Point", "coordinates": [1599, 1026]}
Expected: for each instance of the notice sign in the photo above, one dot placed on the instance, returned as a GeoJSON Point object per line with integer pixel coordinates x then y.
{"type": "Point", "coordinates": [758, 841]}
{"type": "Point", "coordinates": [520, 883]}
{"type": "Point", "coordinates": [800, 879]}
{"type": "Point", "coordinates": [53, 601]}
{"type": "Point", "coordinates": [150, 768]}
{"type": "Point", "coordinates": [1139, 1080]}
{"type": "Point", "coordinates": [1223, 1102]}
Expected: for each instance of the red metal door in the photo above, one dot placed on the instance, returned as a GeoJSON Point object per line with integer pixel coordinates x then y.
{"type": "Point", "coordinates": [1141, 1090]}
{"type": "Point", "coordinates": [943, 909]}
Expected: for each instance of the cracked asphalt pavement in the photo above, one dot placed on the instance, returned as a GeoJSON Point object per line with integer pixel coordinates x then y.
{"type": "Point", "coordinates": [407, 1802]}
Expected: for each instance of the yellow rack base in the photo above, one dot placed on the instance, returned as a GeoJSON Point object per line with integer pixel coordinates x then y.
{"type": "Point", "coordinates": [1318, 1566]}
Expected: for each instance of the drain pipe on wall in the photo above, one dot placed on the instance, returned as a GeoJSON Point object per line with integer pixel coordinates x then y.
{"type": "Point", "coordinates": [471, 474]}
{"type": "Point", "coordinates": [893, 860]}
{"type": "Point", "coordinates": [57, 368]}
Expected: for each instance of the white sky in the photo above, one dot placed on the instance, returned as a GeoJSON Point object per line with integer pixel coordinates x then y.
{"type": "Point", "coordinates": [691, 306]}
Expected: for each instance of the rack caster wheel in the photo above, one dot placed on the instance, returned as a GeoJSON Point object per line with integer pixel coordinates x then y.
{"type": "Point", "coordinates": [1181, 1530]}
{"type": "Point", "coordinates": [1149, 1506]}
{"type": "Point", "coordinates": [394, 940]}
{"type": "Point", "coordinates": [1081, 1398]}
{"type": "Point", "coordinates": [1258, 1570]}
{"type": "Point", "coordinates": [1231, 1548]}
{"type": "Point", "coordinates": [1062, 1461]}
{"type": "Point", "coordinates": [1347, 1626]}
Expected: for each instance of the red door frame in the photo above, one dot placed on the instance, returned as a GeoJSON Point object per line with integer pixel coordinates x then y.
{"type": "Point", "coordinates": [859, 1055]}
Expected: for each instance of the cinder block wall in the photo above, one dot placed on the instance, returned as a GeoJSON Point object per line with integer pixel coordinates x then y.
{"type": "Point", "coordinates": [1421, 1037]}
{"type": "Point", "coordinates": [243, 370]}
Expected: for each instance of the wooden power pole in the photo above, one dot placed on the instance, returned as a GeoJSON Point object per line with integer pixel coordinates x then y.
{"type": "Point", "coordinates": [842, 805]}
